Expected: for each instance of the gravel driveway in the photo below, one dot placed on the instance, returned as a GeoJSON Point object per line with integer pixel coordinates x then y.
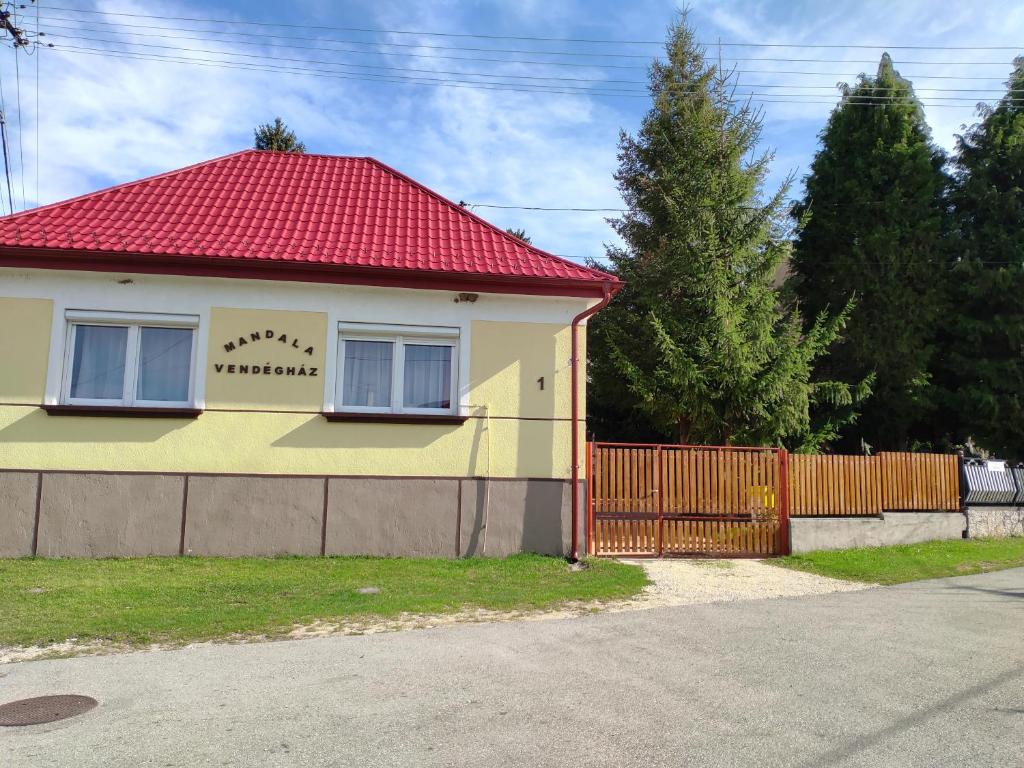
{"type": "Point", "coordinates": [689, 581]}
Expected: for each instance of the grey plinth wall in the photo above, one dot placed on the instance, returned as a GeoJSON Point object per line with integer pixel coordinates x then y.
{"type": "Point", "coordinates": [112, 514]}
{"type": "Point", "coordinates": [813, 533]}
{"type": "Point", "coordinates": [994, 522]}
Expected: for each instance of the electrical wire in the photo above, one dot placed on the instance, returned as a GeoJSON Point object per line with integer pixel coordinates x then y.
{"type": "Point", "coordinates": [584, 54]}
{"type": "Point", "coordinates": [3, 139]}
{"type": "Point", "coordinates": [434, 56]}
{"type": "Point", "coordinates": [37, 3]}
{"type": "Point", "coordinates": [773, 98]}
{"type": "Point", "coordinates": [559, 80]}
{"type": "Point", "coordinates": [645, 58]}
{"type": "Point", "coordinates": [17, 91]}
{"type": "Point", "coordinates": [424, 33]}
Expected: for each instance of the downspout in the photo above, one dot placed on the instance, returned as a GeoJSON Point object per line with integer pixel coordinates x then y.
{"type": "Point", "coordinates": [574, 556]}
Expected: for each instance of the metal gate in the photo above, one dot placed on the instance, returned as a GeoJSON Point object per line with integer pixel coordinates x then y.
{"type": "Point", "coordinates": [656, 500]}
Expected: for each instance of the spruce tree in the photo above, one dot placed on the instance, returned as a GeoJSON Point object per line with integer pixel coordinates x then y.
{"type": "Point", "coordinates": [875, 220]}
{"type": "Point", "coordinates": [984, 362]}
{"type": "Point", "coordinates": [696, 347]}
{"type": "Point", "coordinates": [520, 233]}
{"type": "Point", "coordinates": [278, 137]}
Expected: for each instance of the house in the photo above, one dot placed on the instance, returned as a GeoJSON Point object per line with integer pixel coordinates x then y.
{"type": "Point", "coordinates": [271, 353]}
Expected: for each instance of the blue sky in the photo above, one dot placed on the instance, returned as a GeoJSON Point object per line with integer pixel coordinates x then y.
{"type": "Point", "coordinates": [105, 117]}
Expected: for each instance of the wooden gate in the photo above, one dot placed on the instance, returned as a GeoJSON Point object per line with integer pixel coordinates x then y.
{"type": "Point", "coordinates": [657, 500]}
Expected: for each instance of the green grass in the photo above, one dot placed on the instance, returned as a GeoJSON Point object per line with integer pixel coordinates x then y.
{"type": "Point", "coordinates": [174, 600]}
{"type": "Point", "coordinates": [912, 562]}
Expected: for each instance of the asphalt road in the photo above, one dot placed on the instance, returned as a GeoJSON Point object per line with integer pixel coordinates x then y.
{"type": "Point", "coordinates": [928, 674]}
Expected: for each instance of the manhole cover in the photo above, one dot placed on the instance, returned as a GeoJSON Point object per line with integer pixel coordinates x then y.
{"type": "Point", "coordinates": [44, 709]}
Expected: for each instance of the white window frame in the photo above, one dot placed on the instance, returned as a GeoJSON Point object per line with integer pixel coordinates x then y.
{"type": "Point", "coordinates": [134, 322]}
{"type": "Point", "coordinates": [399, 335]}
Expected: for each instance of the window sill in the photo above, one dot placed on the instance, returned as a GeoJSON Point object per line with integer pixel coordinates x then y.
{"type": "Point", "coordinates": [122, 411]}
{"type": "Point", "coordinates": [395, 418]}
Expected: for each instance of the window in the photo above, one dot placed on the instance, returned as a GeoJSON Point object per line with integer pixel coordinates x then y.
{"type": "Point", "coordinates": [397, 369]}
{"type": "Point", "coordinates": [129, 360]}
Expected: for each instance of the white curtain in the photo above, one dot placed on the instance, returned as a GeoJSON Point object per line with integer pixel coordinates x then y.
{"type": "Point", "coordinates": [428, 376]}
{"type": "Point", "coordinates": [165, 359]}
{"type": "Point", "coordinates": [97, 370]}
{"type": "Point", "coordinates": [368, 373]}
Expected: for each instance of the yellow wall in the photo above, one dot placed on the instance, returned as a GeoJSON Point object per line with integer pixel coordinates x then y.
{"type": "Point", "coordinates": [267, 390]}
{"type": "Point", "coordinates": [515, 430]}
{"type": "Point", "coordinates": [24, 348]}
{"type": "Point", "coordinates": [507, 359]}
{"type": "Point", "coordinates": [290, 443]}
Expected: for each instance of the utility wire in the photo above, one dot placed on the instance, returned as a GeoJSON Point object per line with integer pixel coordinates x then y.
{"type": "Point", "coordinates": [424, 33]}
{"type": "Point", "coordinates": [21, 133]}
{"type": "Point", "coordinates": [790, 202]}
{"type": "Point", "coordinates": [770, 98]}
{"type": "Point", "coordinates": [460, 73]}
{"type": "Point", "coordinates": [774, 98]}
{"type": "Point", "coordinates": [433, 56]}
{"type": "Point", "coordinates": [37, 3]}
{"type": "Point", "coordinates": [3, 139]}
{"type": "Point", "coordinates": [593, 54]}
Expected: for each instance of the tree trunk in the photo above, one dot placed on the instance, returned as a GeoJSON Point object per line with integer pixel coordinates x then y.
{"type": "Point", "coordinates": [683, 430]}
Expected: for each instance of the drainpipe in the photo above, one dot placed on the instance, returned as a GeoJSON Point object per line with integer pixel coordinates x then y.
{"type": "Point", "coordinates": [574, 556]}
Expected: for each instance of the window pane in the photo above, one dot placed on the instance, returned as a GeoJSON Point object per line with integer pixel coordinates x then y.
{"type": "Point", "coordinates": [165, 359]}
{"type": "Point", "coordinates": [428, 376]}
{"type": "Point", "coordinates": [97, 368]}
{"type": "Point", "coordinates": [368, 373]}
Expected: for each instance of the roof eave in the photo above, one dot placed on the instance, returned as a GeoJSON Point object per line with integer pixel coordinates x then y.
{"type": "Point", "coordinates": [296, 271]}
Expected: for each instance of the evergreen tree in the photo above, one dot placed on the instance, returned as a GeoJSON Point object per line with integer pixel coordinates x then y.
{"type": "Point", "coordinates": [278, 137]}
{"type": "Point", "coordinates": [984, 364]}
{"type": "Point", "coordinates": [696, 347]}
{"type": "Point", "coordinates": [875, 221]}
{"type": "Point", "coordinates": [520, 233]}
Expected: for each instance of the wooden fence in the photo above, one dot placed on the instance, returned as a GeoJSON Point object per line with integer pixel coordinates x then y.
{"type": "Point", "coordinates": [920, 481]}
{"type": "Point", "coordinates": [730, 501]}
{"type": "Point", "coordinates": [685, 500]}
{"type": "Point", "coordinates": [870, 485]}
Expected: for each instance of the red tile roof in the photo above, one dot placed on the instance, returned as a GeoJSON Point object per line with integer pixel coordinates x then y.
{"type": "Point", "coordinates": [312, 215]}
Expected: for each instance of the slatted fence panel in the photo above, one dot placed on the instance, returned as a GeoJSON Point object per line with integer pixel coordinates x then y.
{"type": "Point", "coordinates": [625, 502]}
{"type": "Point", "coordinates": [920, 481]}
{"type": "Point", "coordinates": [699, 481]}
{"type": "Point", "coordinates": [822, 486]}
{"type": "Point", "coordinates": [833, 485]}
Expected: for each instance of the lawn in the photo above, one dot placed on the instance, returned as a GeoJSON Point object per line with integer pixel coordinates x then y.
{"type": "Point", "coordinates": [174, 600]}
{"type": "Point", "coordinates": [911, 562]}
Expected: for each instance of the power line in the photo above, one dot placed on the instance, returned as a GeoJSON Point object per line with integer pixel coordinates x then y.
{"type": "Point", "coordinates": [560, 80]}
{"type": "Point", "coordinates": [3, 140]}
{"type": "Point", "coordinates": [542, 208]}
{"type": "Point", "coordinates": [21, 133]}
{"type": "Point", "coordinates": [425, 33]}
{"type": "Point", "coordinates": [37, 2]}
{"type": "Point", "coordinates": [791, 202]}
{"type": "Point", "coordinates": [584, 54]}
{"type": "Point", "coordinates": [774, 98]}
{"type": "Point", "coordinates": [607, 87]}
{"type": "Point", "coordinates": [434, 56]}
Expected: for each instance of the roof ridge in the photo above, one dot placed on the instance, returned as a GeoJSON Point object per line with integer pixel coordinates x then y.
{"type": "Point", "coordinates": [480, 220]}
{"type": "Point", "coordinates": [122, 185]}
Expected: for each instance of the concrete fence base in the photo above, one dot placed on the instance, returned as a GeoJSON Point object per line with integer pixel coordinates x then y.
{"type": "Point", "coordinates": [112, 514]}
{"type": "Point", "coordinates": [995, 522]}
{"type": "Point", "coordinates": [813, 533]}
